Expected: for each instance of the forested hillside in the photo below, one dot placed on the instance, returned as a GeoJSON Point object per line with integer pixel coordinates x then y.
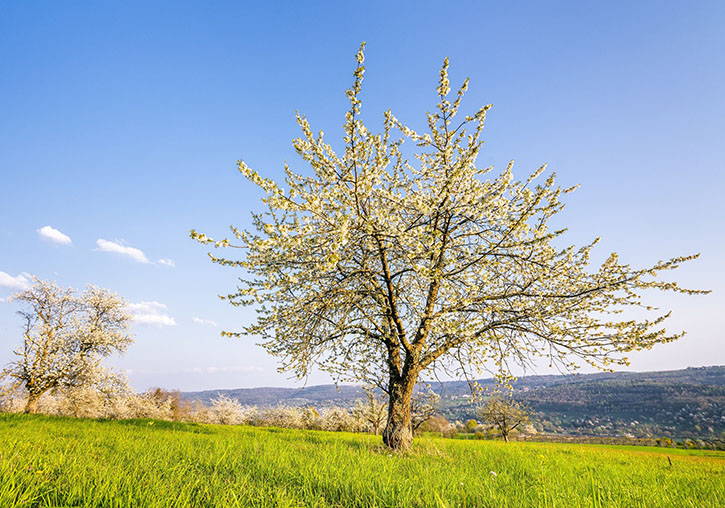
{"type": "Point", "coordinates": [680, 403]}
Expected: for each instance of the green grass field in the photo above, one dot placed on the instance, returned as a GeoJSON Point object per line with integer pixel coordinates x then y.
{"type": "Point", "coordinates": [47, 461]}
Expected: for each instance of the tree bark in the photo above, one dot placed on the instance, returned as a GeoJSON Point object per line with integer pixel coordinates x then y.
{"type": "Point", "coordinates": [31, 407]}
{"type": "Point", "coordinates": [398, 433]}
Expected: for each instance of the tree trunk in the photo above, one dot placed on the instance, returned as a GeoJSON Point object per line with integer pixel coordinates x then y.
{"type": "Point", "coordinates": [31, 407]}
{"type": "Point", "coordinates": [398, 433]}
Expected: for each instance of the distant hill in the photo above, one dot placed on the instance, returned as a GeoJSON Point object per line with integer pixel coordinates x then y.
{"type": "Point", "coordinates": [678, 403]}
{"type": "Point", "coordinates": [319, 395]}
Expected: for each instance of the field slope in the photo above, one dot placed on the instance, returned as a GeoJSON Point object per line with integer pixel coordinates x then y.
{"type": "Point", "coordinates": [47, 461]}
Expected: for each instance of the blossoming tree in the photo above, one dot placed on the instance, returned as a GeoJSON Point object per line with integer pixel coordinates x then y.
{"type": "Point", "coordinates": [505, 414]}
{"type": "Point", "coordinates": [388, 262]}
{"type": "Point", "coordinates": [65, 337]}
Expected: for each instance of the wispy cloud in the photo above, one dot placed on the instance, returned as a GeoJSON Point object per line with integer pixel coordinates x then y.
{"type": "Point", "coordinates": [167, 262]}
{"type": "Point", "coordinates": [198, 370]}
{"type": "Point", "coordinates": [204, 322]}
{"type": "Point", "coordinates": [151, 313]}
{"type": "Point", "coordinates": [22, 281]}
{"type": "Point", "coordinates": [51, 234]}
{"type": "Point", "coordinates": [222, 370]}
{"type": "Point", "coordinates": [125, 250]}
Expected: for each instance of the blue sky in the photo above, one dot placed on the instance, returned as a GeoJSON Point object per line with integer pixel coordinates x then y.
{"type": "Point", "coordinates": [121, 123]}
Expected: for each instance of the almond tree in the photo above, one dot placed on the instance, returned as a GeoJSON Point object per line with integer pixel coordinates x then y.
{"type": "Point", "coordinates": [65, 337]}
{"type": "Point", "coordinates": [389, 261]}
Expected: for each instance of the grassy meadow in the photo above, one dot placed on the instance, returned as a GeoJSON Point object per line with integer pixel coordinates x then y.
{"type": "Point", "coordinates": [48, 461]}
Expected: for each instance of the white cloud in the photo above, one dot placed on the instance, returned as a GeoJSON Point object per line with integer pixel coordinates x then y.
{"type": "Point", "coordinates": [221, 370]}
{"type": "Point", "coordinates": [198, 370]}
{"type": "Point", "coordinates": [167, 262]}
{"type": "Point", "coordinates": [204, 322]}
{"type": "Point", "coordinates": [55, 236]}
{"type": "Point", "coordinates": [20, 282]}
{"type": "Point", "coordinates": [132, 252]}
{"type": "Point", "coordinates": [150, 313]}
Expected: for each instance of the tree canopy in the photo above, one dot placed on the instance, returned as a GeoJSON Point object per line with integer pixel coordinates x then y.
{"type": "Point", "coordinates": [388, 261]}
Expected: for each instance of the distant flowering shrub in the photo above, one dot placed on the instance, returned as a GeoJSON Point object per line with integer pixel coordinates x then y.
{"type": "Point", "coordinates": [92, 403]}
{"type": "Point", "coordinates": [225, 411]}
{"type": "Point", "coordinates": [121, 403]}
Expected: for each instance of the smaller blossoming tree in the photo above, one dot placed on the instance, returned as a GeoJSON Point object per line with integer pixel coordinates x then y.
{"type": "Point", "coordinates": [65, 338]}
{"type": "Point", "coordinates": [505, 414]}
